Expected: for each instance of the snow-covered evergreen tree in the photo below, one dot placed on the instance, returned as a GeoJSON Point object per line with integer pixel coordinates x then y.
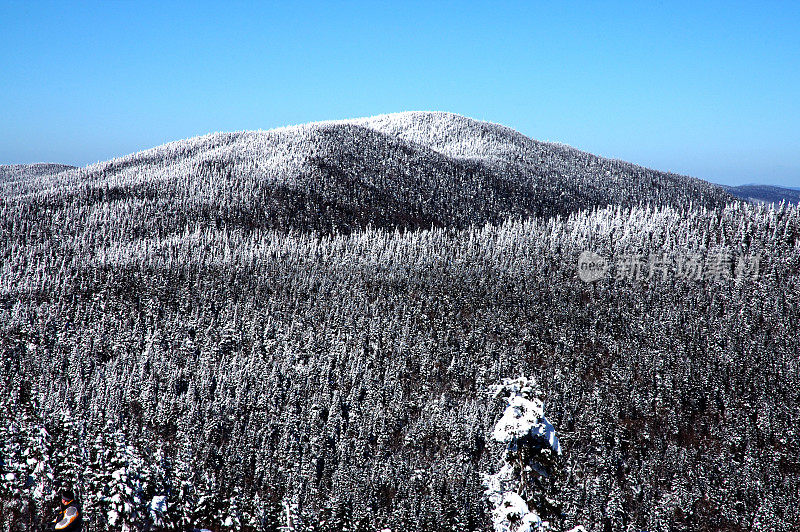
{"type": "Point", "coordinates": [518, 490]}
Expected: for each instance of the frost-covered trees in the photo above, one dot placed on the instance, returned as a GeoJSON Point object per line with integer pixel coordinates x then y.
{"type": "Point", "coordinates": [26, 470]}
{"type": "Point", "coordinates": [246, 362]}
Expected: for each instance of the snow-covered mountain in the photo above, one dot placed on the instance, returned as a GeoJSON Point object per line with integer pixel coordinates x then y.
{"type": "Point", "coordinates": [183, 342]}
{"type": "Point", "coordinates": [407, 170]}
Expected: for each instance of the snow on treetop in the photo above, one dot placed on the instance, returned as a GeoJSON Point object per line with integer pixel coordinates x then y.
{"type": "Point", "coordinates": [159, 503]}
{"type": "Point", "coordinates": [520, 417]}
{"type": "Point", "coordinates": [524, 413]}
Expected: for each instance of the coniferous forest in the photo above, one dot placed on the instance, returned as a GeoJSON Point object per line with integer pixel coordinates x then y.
{"type": "Point", "coordinates": [302, 328]}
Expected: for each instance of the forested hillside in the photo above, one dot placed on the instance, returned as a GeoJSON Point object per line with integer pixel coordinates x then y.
{"type": "Point", "coordinates": [176, 345]}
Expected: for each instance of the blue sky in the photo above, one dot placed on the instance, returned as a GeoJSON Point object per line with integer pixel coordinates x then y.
{"type": "Point", "coordinates": [706, 89]}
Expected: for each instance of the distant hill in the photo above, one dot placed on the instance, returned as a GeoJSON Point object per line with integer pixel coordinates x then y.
{"type": "Point", "coordinates": [765, 193]}
{"type": "Point", "coordinates": [404, 170]}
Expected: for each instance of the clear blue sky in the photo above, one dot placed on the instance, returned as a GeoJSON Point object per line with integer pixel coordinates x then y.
{"type": "Point", "coordinates": [710, 89]}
